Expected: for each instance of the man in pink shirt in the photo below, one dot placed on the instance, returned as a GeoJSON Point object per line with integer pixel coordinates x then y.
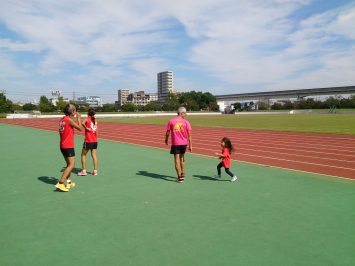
{"type": "Point", "coordinates": [180, 129]}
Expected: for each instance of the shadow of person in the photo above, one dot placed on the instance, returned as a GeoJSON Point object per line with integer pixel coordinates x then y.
{"type": "Point", "coordinates": [210, 178]}
{"type": "Point", "coordinates": [157, 176]}
{"type": "Point", "coordinates": [48, 180]}
{"type": "Point", "coordinates": [74, 171]}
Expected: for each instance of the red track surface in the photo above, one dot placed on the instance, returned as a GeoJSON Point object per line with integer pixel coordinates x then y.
{"type": "Point", "coordinates": [328, 154]}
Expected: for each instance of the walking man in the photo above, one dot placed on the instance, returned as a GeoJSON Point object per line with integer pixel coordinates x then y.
{"type": "Point", "coordinates": [180, 131]}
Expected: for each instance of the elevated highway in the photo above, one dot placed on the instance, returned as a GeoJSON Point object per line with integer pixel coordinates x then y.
{"type": "Point", "coordinates": [286, 94]}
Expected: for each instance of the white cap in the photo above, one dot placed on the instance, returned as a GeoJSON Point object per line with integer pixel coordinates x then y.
{"type": "Point", "coordinates": [181, 110]}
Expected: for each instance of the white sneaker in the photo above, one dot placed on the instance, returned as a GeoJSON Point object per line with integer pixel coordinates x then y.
{"type": "Point", "coordinates": [234, 178]}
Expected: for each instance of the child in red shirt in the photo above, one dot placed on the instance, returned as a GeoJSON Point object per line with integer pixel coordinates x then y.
{"type": "Point", "coordinates": [90, 142]}
{"type": "Point", "coordinates": [225, 158]}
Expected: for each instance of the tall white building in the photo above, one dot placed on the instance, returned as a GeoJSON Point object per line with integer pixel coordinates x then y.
{"type": "Point", "coordinates": [122, 96]}
{"type": "Point", "coordinates": [165, 85]}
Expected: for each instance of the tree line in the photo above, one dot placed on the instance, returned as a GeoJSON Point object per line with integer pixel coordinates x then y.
{"type": "Point", "coordinates": [193, 101]}
{"type": "Point", "coordinates": [309, 103]}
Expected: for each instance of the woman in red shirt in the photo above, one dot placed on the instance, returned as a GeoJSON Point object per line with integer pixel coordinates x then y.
{"type": "Point", "coordinates": [90, 142]}
{"type": "Point", "coordinates": [225, 158]}
{"type": "Point", "coordinates": [66, 133]}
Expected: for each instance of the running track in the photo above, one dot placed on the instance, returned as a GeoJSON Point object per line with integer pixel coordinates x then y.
{"type": "Point", "coordinates": [327, 154]}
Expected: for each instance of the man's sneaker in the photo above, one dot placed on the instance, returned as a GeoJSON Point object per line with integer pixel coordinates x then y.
{"type": "Point", "coordinates": [61, 187]}
{"type": "Point", "coordinates": [179, 179]}
{"type": "Point", "coordinates": [70, 185]}
{"type": "Point", "coordinates": [217, 176]}
{"type": "Point", "coordinates": [82, 173]}
{"type": "Point", "coordinates": [234, 178]}
{"type": "Point", "coordinates": [94, 172]}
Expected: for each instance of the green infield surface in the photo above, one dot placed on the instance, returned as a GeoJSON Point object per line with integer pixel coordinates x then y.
{"type": "Point", "coordinates": [316, 123]}
{"type": "Point", "coordinates": [133, 213]}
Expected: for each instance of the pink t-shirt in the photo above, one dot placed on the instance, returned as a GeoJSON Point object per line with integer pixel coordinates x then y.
{"type": "Point", "coordinates": [178, 127]}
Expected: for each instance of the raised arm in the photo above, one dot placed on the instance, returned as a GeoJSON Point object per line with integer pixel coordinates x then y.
{"type": "Point", "coordinates": [76, 124]}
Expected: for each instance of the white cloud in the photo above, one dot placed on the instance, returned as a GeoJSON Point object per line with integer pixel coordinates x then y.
{"type": "Point", "coordinates": [243, 43]}
{"type": "Point", "coordinates": [8, 70]}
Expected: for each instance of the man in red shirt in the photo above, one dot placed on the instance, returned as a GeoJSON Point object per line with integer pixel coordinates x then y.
{"type": "Point", "coordinates": [71, 120]}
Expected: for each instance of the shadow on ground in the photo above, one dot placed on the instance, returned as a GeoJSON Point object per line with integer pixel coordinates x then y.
{"type": "Point", "coordinates": [156, 176]}
{"type": "Point", "coordinates": [48, 180]}
{"type": "Point", "coordinates": [210, 178]}
{"type": "Point", "coordinates": [74, 171]}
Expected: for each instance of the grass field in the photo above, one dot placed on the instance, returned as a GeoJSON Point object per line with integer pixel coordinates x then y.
{"type": "Point", "coordinates": [134, 213]}
{"type": "Point", "coordinates": [320, 123]}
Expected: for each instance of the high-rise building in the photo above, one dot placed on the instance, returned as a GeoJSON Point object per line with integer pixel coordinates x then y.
{"type": "Point", "coordinates": [141, 98]}
{"type": "Point", "coordinates": [122, 96]}
{"type": "Point", "coordinates": [138, 98]}
{"type": "Point", "coordinates": [165, 85]}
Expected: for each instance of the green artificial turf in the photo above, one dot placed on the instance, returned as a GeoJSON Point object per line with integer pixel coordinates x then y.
{"type": "Point", "coordinates": [133, 213]}
{"type": "Point", "coordinates": [319, 123]}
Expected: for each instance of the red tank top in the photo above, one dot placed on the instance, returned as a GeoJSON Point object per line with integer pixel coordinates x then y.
{"type": "Point", "coordinates": [90, 136]}
{"type": "Point", "coordinates": [66, 133]}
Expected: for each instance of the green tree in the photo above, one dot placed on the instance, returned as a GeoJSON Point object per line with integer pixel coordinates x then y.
{"type": "Point", "coordinates": [195, 101]}
{"type": "Point", "coordinates": [5, 104]}
{"type": "Point", "coordinates": [16, 107]}
{"type": "Point", "coordinates": [237, 106]}
{"type": "Point", "coordinates": [152, 106]}
{"type": "Point", "coordinates": [171, 103]}
{"type": "Point", "coordinates": [276, 106]}
{"type": "Point", "coordinates": [128, 107]}
{"type": "Point", "coordinates": [29, 107]}
{"type": "Point", "coordinates": [262, 105]}
{"type": "Point", "coordinates": [61, 104]}
{"type": "Point", "coordinates": [109, 107]}
{"type": "Point", "coordinates": [332, 102]}
{"type": "Point", "coordinates": [44, 105]}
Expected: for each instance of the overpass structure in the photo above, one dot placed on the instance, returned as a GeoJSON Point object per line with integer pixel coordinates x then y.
{"type": "Point", "coordinates": [286, 94]}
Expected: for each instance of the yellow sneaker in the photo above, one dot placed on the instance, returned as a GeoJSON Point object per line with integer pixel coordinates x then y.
{"type": "Point", "coordinates": [61, 187]}
{"type": "Point", "coordinates": [70, 184]}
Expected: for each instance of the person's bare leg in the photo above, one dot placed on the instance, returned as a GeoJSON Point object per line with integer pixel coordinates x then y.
{"type": "Point", "coordinates": [94, 158]}
{"type": "Point", "coordinates": [68, 169]}
{"type": "Point", "coordinates": [83, 159]}
{"type": "Point", "coordinates": [177, 164]}
{"type": "Point", "coordinates": [182, 164]}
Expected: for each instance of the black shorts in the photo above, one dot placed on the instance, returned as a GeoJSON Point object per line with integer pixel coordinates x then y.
{"type": "Point", "coordinates": [178, 149]}
{"type": "Point", "coordinates": [70, 152]}
{"type": "Point", "coordinates": [90, 146]}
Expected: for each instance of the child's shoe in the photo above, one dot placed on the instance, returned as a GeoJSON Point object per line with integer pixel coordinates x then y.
{"type": "Point", "coordinates": [82, 173]}
{"type": "Point", "coordinates": [234, 178]}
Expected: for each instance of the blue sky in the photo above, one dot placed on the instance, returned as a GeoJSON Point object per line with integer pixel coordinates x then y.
{"type": "Point", "coordinates": [94, 47]}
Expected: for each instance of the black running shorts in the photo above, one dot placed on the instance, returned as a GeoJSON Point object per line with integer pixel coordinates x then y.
{"type": "Point", "coordinates": [90, 145]}
{"type": "Point", "coordinates": [70, 152]}
{"type": "Point", "coordinates": [178, 149]}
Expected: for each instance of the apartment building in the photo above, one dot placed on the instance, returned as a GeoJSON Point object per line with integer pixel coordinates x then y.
{"type": "Point", "coordinates": [165, 85]}
{"type": "Point", "coordinates": [139, 98]}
